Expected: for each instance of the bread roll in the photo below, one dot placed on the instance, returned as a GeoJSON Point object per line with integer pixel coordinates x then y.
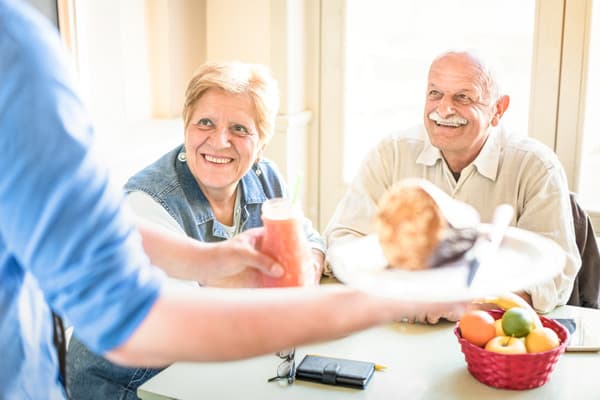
{"type": "Point", "coordinates": [410, 225]}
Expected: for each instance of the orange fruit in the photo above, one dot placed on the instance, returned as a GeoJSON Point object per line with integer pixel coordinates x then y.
{"type": "Point", "coordinates": [541, 339]}
{"type": "Point", "coordinates": [477, 326]}
{"type": "Point", "coordinates": [499, 331]}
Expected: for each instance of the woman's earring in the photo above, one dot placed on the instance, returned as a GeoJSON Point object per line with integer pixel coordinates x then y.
{"type": "Point", "coordinates": [182, 156]}
{"type": "Point", "coordinates": [257, 169]}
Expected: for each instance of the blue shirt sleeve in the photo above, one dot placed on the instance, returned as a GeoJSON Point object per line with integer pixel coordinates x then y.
{"type": "Point", "coordinates": [61, 218]}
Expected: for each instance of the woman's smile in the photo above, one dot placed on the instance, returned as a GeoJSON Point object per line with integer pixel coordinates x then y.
{"type": "Point", "coordinates": [217, 159]}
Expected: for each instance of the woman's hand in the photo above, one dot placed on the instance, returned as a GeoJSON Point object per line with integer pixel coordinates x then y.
{"type": "Point", "coordinates": [433, 315]}
{"type": "Point", "coordinates": [182, 257]}
{"type": "Point", "coordinates": [240, 263]}
{"type": "Point", "coordinates": [313, 269]}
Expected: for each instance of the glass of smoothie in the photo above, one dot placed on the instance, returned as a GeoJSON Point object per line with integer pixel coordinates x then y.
{"type": "Point", "coordinates": [285, 241]}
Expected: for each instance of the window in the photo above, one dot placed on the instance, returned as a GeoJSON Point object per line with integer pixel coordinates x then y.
{"type": "Point", "coordinates": [589, 163]}
{"type": "Point", "coordinates": [577, 139]}
{"type": "Point", "coordinates": [113, 47]}
{"type": "Point", "coordinates": [390, 44]}
{"type": "Point", "coordinates": [386, 47]}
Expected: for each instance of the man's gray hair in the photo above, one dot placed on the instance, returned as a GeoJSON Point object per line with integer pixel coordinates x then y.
{"type": "Point", "coordinates": [489, 75]}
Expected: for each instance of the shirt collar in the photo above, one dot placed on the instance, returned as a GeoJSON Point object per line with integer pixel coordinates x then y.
{"type": "Point", "coordinates": [486, 162]}
{"type": "Point", "coordinates": [430, 154]}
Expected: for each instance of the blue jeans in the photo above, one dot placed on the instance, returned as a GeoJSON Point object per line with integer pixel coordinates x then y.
{"type": "Point", "coordinates": [90, 376]}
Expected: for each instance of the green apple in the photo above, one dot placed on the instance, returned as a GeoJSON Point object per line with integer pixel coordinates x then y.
{"type": "Point", "coordinates": [517, 322]}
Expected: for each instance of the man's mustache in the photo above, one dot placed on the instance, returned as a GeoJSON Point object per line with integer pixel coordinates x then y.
{"type": "Point", "coordinates": [454, 121]}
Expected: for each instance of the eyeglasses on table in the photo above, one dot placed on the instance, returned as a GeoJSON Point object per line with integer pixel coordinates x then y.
{"type": "Point", "coordinates": [286, 370]}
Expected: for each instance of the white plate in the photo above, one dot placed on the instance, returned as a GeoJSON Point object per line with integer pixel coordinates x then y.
{"type": "Point", "coordinates": [523, 260]}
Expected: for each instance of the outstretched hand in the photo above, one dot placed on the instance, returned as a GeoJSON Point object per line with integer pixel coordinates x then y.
{"type": "Point", "coordinates": [232, 263]}
{"type": "Point", "coordinates": [437, 312]}
{"type": "Point", "coordinates": [237, 262]}
{"type": "Point", "coordinates": [240, 263]}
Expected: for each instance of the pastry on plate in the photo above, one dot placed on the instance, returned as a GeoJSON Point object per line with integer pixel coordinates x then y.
{"type": "Point", "coordinates": [419, 226]}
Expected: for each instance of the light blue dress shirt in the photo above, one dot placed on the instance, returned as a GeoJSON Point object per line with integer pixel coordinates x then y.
{"type": "Point", "coordinates": [65, 243]}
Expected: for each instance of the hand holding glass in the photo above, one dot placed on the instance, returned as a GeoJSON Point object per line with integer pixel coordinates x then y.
{"type": "Point", "coordinates": [285, 241]}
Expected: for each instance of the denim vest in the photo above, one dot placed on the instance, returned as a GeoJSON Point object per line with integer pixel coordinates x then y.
{"type": "Point", "coordinates": [170, 182]}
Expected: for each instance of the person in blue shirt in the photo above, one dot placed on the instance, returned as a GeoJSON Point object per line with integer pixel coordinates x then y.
{"type": "Point", "coordinates": [67, 244]}
{"type": "Point", "coordinates": [210, 188]}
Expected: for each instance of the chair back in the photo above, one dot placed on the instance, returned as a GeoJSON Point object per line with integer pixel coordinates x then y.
{"type": "Point", "coordinates": [586, 289]}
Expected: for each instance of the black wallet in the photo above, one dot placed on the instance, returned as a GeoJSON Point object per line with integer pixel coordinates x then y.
{"type": "Point", "coordinates": [335, 371]}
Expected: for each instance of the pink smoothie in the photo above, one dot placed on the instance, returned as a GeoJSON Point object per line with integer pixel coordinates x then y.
{"type": "Point", "coordinates": [284, 240]}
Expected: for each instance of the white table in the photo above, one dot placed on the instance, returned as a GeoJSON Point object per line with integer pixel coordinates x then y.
{"type": "Point", "coordinates": [424, 362]}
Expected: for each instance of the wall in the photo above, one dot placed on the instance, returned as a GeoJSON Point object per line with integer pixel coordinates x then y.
{"type": "Point", "coordinates": [46, 7]}
{"type": "Point", "coordinates": [135, 58]}
{"type": "Point", "coordinates": [273, 32]}
{"type": "Point", "coordinates": [177, 36]}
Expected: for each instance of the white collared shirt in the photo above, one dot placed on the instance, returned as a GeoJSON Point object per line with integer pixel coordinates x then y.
{"type": "Point", "coordinates": [509, 169]}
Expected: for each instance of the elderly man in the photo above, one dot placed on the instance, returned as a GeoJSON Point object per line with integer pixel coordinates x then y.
{"type": "Point", "coordinates": [463, 148]}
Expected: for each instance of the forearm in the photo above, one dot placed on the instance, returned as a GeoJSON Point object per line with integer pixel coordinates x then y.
{"type": "Point", "coordinates": [179, 256]}
{"type": "Point", "coordinates": [525, 296]}
{"type": "Point", "coordinates": [216, 325]}
{"type": "Point", "coordinates": [556, 292]}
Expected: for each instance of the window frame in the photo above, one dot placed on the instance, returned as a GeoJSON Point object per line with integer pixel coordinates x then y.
{"type": "Point", "coordinates": [557, 75]}
{"type": "Point", "coordinates": [574, 72]}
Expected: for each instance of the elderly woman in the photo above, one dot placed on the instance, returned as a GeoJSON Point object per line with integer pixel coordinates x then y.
{"type": "Point", "coordinates": [211, 188]}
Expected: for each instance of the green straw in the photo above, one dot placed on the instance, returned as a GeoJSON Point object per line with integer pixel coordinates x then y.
{"type": "Point", "coordinates": [296, 188]}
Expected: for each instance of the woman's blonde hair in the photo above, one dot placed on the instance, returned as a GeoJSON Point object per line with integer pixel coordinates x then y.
{"type": "Point", "coordinates": [237, 77]}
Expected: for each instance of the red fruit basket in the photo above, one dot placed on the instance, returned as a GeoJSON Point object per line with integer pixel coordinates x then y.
{"type": "Point", "coordinates": [513, 371]}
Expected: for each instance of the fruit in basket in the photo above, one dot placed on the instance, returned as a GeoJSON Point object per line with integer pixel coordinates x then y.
{"type": "Point", "coordinates": [498, 324]}
{"type": "Point", "coordinates": [516, 370]}
{"type": "Point", "coordinates": [506, 345]}
{"type": "Point", "coordinates": [477, 326]}
{"type": "Point", "coordinates": [509, 300]}
{"type": "Point", "coordinates": [517, 322]}
{"type": "Point", "coordinates": [541, 339]}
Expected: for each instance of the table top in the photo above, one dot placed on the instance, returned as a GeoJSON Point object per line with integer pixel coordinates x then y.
{"type": "Point", "coordinates": [424, 362]}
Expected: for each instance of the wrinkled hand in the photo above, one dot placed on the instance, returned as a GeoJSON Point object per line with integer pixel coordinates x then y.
{"type": "Point", "coordinates": [437, 313]}
{"type": "Point", "coordinates": [240, 263]}
{"type": "Point", "coordinates": [313, 268]}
